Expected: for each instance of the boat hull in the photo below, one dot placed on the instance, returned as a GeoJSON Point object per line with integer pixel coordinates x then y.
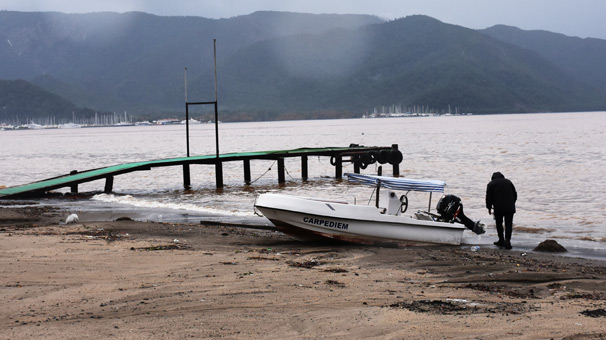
{"type": "Point", "coordinates": [311, 219]}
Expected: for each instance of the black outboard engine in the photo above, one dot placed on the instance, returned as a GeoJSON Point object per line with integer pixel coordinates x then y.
{"type": "Point", "coordinates": [448, 207]}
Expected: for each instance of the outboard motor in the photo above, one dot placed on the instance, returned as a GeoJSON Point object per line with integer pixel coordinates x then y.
{"type": "Point", "coordinates": [448, 207]}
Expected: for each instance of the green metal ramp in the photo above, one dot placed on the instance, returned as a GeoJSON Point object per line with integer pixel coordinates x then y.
{"type": "Point", "coordinates": [72, 179]}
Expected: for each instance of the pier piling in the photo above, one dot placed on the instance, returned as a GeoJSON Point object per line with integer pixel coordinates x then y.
{"type": "Point", "coordinates": [304, 174]}
{"type": "Point", "coordinates": [396, 165]}
{"type": "Point", "coordinates": [338, 166]}
{"type": "Point", "coordinates": [109, 184]}
{"type": "Point", "coordinates": [186, 177]}
{"type": "Point", "coordinates": [247, 171]}
{"type": "Point", "coordinates": [73, 188]}
{"type": "Point", "coordinates": [281, 178]}
{"type": "Point", "coordinates": [219, 173]}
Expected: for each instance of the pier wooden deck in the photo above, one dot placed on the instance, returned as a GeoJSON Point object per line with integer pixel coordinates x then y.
{"type": "Point", "coordinates": [355, 154]}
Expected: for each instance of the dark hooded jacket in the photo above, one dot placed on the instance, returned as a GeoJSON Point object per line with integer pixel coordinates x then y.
{"type": "Point", "coordinates": [501, 195]}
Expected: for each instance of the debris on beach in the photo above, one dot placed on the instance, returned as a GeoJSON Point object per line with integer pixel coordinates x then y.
{"type": "Point", "coordinates": [73, 218]}
{"type": "Point", "coordinates": [114, 236]}
{"type": "Point", "coordinates": [306, 264]}
{"type": "Point", "coordinates": [464, 307]}
{"type": "Point", "coordinates": [431, 306]}
{"type": "Point", "coordinates": [335, 283]}
{"type": "Point", "coordinates": [595, 313]}
{"type": "Point", "coordinates": [550, 246]}
{"type": "Point", "coordinates": [162, 247]}
{"type": "Point", "coordinates": [336, 270]}
{"type": "Point", "coordinates": [101, 234]}
{"type": "Point", "coordinates": [586, 296]}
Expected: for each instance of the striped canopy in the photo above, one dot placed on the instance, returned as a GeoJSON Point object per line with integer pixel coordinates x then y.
{"type": "Point", "coordinates": [394, 183]}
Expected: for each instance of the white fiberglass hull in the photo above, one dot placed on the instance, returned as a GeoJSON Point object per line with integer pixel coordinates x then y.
{"type": "Point", "coordinates": [308, 218]}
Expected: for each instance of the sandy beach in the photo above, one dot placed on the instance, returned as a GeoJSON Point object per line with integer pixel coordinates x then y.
{"type": "Point", "coordinates": [145, 280]}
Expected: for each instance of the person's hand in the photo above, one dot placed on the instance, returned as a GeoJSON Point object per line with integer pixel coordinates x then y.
{"type": "Point", "coordinates": [489, 211]}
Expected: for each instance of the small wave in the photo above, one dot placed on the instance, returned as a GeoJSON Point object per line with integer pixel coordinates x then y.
{"type": "Point", "coordinates": [146, 203]}
{"type": "Point", "coordinates": [594, 239]}
{"type": "Point", "coordinates": [533, 230]}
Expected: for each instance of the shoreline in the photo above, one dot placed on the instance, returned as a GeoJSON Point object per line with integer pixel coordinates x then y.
{"type": "Point", "coordinates": [136, 280]}
{"type": "Point", "coordinates": [87, 210]}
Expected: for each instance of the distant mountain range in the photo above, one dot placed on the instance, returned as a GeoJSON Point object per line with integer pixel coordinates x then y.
{"type": "Point", "coordinates": [275, 65]}
{"type": "Point", "coordinates": [582, 58]}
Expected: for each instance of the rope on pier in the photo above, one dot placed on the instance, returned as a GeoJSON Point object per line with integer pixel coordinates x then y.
{"type": "Point", "coordinates": [288, 173]}
{"type": "Point", "coordinates": [268, 170]}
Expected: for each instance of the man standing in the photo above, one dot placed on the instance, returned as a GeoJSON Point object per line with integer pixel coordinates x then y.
{"type": "Point", "coordinates": [501, 197]}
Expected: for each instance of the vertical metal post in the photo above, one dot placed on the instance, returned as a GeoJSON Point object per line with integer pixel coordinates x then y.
{"type": "Point", "coordinates": [429, 208]}
{"type": "Point", "coordinates": [218, 164]}
{"type": "Point", "coordinates": [186, 113]}
{"type": "Point", "coordinates": [186, 173]}
{"type": "Point", "coordinates": [216, 96]}
{"type": "Point", "coordinates": [185, 80]}
{"type": "Point", "coordinates": [217, 131]}
{"type": "Point", "coordinates": [380, 173]}
{"type": "Point", "coordinates": [378, 190]}
{"type": "Point", "coordinates": [215, 57]}
{"type": "Point", "coordinates": [187, 127]}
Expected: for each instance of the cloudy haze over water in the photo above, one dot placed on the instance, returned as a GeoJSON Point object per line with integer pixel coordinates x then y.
{"type": "Point", "coordinates": [582, 18]}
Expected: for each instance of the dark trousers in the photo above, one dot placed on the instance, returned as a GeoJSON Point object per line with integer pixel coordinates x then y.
{"type": "Point", "coordinates": [508, 225]}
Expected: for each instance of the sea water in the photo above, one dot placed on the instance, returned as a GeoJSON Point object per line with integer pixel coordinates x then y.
{"type": "Point", "coordinates": [556, 161]}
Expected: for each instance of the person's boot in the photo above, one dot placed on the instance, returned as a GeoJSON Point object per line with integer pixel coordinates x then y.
{"type": "Point", "coordinates": [508, 230]}
{"type": "Point", "coordinates": [501, 241]}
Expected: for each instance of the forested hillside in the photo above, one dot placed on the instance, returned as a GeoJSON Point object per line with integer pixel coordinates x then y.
{"type": "Point", "coordinates": [583, 58]}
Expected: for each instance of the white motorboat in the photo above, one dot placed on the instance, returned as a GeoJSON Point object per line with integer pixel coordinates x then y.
{"type": "Point", "coordinates": [382, 224]}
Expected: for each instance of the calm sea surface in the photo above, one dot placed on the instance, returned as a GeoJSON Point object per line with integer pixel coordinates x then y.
{"type": "Point", "coordinates": [556, 161]}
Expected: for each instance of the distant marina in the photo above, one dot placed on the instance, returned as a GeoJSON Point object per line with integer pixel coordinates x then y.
{"type": "Point", "coordinates": [115, 120]}
{"type": "Point", "coordinates": [397, 111]}
{"type": "Point", "coordinates": [105, 120]}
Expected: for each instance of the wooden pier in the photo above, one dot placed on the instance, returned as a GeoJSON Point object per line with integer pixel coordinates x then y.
{"type": "Point", "coordinates": [360, 156]}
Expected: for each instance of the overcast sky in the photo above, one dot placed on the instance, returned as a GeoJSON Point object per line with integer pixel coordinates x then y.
{"type": "Point", "coordinates": [582, 18]}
